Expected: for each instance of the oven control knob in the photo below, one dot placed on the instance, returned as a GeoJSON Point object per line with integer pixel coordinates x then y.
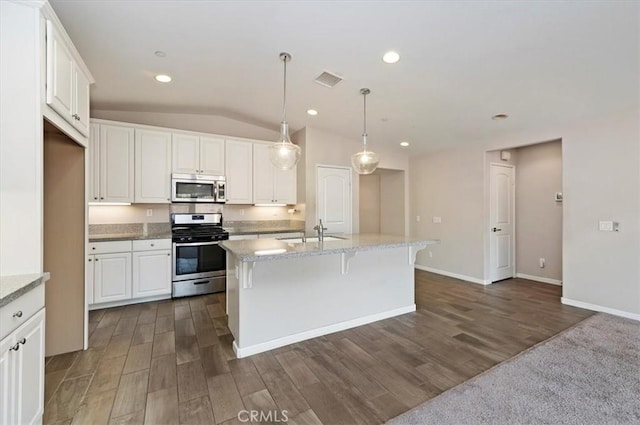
{"type": "Point", "coordinates": [189, 238]}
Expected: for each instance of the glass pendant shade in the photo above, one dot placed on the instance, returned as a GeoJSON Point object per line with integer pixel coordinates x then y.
{"type": "Point", "coordinates": [365, 161]}
{"type": "Point", "coordinates": [284, 154]}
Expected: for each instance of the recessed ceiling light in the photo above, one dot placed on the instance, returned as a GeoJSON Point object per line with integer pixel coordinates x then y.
{"type": "Point", "coordinates": [500, 117]}
{"type": "Point", "coordinates": [160, 53]}
{"type": "Point", "coordinates": [163, 78]}
{"type": "Point", "coordinates": [391, 57]}
{"type": "Point", "coordinates": [404, 144]}
{"type": "Point", "coordinates": [312, 112]}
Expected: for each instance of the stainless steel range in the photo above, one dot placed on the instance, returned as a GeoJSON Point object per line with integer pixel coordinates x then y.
{"type": "Point", "coordinates": [199, 263]}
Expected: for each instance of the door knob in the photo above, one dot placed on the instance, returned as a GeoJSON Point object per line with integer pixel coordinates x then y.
{"type": "Point", "coordinates": [495, 229]}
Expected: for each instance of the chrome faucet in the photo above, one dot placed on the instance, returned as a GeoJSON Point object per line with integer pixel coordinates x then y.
{"type": "Point", "coordinates": [320, 229]}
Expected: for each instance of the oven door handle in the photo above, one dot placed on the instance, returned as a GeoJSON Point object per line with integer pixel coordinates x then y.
{"type": "Point", "coordinates": [196, 243]}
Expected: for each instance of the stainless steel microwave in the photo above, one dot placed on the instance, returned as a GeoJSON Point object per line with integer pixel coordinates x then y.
{"type": "Point", "coordinates": [198, 188]}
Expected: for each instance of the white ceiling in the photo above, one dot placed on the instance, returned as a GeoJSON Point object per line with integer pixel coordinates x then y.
{"type": "Point", "coordinates": [541, 62]}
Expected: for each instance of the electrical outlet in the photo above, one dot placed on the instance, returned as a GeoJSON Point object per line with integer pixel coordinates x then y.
{"type": "Point", "coordinates": [418, 219]}
{"type": "Point", "coordinates": [605, 226]}
{"type": "Point", "coordinates": [149, 212]}
{"type": "Point", "coordinates": [430, 254]}
{"type": "Point", "coordinates": [242, 212]}
{"type": "Point", "coordinates": [542, 263]}
{"type": "Point", "coordinates": [437, 220]}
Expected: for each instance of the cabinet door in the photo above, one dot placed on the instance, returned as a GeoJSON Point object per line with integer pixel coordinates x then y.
{"type": "Point", "coordinates": [212, 156]}
{"type": "Point", "coordinates": [89, 273]}
{"type": "Point", "coordinates": [284, 191]}
{"type": "Point", "coordinates": [80, 88]}
{"type": "Point", "coordinates": [151, 273]}
{"type": "Point", "coordinates": [239, 171]}
{"type": "Point", "coordinates": [185, 152]}
{"type": "Point", "coordinates": [29, 371]}
{"type": "Point", "coordinates": [263, 172]}
{"type": "Point", "coordinates": [152, 167]}
{"type": "Point", "coordinates": [116, 163]}
{"type": "Point", "coordinates": [94, 163]}
{"type": "Point", "coordinates": [112, 277]}
{"type": "Point", "coordinates": [59, 74]}
{"type": "Point", "coordinates": [7, 369]}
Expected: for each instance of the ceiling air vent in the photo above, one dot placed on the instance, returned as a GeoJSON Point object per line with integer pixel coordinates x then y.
{"type": "Point", "coordinates": [328, 79]}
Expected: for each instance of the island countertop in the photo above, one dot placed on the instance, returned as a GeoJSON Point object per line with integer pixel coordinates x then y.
{"type": "Point", "coordinates": [256, 250]}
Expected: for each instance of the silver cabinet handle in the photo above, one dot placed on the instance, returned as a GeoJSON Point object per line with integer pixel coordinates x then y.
{"type": "Point", "coordinates": [152, 245]}
{"type": "Point", "coordinates": [15, 347]}
{"type": "Point", "coordinates": [17, 313]}
{"type": "Point", "coordinates": [89, 259]}
{"type": "Point", "coordinates": [23, 341]}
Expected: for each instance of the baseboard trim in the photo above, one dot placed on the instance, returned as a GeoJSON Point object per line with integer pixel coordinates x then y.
{"type": "Point", "coordinates": [336, 327]}
{"type": "Point", "coordinates": [539, 279]}
{"type": "Point", "coordinates": [129, 302]}
{"type": "Point", "coordinates": [454, 275]}
{"type": "Point", "coordinates": [600, 308]}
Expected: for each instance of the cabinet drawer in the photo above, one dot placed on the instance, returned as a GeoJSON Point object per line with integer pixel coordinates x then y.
{"type": "Point", "coordinates": [20, 310]}
{"type": "Point", "coordinates": [109, 247]}
{"type": "Point", "coordinates": [151, 244]}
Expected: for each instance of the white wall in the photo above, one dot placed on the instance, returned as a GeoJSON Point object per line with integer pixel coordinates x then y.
{"type": "Point", "coordinates": [538, 215]}
{"type": "Point", "coordinates": [601, 181]}
{"type": "Point", "coordinates": [369, 203]}
{"type": "Point", "coordinates": [193, 122]}
{"type": "Point", "coordinates": [21, 140]}
{"type": "Point", "coordinates": [393, 202]}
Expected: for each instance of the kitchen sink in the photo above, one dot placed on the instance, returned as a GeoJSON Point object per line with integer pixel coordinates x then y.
{"type": "Point", "coordinates": [313, 239]}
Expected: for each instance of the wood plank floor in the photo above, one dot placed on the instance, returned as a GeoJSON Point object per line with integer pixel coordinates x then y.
{"type": "Point", "coordinates": [171, 362]}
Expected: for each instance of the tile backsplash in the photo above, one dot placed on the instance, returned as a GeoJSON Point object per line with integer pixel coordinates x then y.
{"type": "Point", "coordinates": [137, 213]}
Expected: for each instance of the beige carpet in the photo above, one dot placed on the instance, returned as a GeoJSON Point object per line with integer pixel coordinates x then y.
{"type": "Point", "coordinates": [589, 374]}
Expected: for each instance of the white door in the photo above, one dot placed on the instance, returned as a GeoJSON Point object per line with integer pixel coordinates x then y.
{"type": "Point", "coordinates": [112, 277]}
{"type": "Point", "coordinates": [80, 101]}
{"type": "Point", "coordinates": [186, 154]}
{"type": "Point", "coordinates": [7, 369]}
{"type": "Point", "coordinates": [116, 163]}
{"type": "Point", "coordinates": [59, 74]}
{"type": "Point", "coordinates": [263, 175]}
{"type": "Point", "coordinates": [284, 190]}
{"type": "Point", "coordinates": [29, 370]}
{"type": "Point", "coordinates": [152, 167]}
{"type": "Point", "coordinates": [502, 207]}
{"type": "Point", "coordinates": [151, 273]}
{"type": "Point", "coordinates": [212, 156]}
{"type": "Point", "coordinates": [333, 198]}
{"type": "Point", "coordinates": [239, 170]}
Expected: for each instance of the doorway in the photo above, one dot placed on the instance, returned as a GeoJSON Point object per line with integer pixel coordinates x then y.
{"type": "Point", "coordinates": [382, 202]}
{"type": "Point", "coordinates": [501, 221]}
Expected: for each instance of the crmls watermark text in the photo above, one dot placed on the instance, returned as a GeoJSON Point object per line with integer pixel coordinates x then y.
{"type": "Point", "coordinates": [273, 416]}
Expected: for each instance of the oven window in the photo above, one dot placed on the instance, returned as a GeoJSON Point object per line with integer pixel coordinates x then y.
{"type": "Point", "coordinates": [194, 190]}
{"type": "Point", "coordinates": [200, 259]}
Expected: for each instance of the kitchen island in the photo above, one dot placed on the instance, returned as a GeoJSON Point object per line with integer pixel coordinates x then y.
{"type": "Point", "coordinates": [279, 292]}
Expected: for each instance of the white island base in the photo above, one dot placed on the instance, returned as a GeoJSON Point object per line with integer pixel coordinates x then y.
{"type": "Point", "coordinates": [281, 301]}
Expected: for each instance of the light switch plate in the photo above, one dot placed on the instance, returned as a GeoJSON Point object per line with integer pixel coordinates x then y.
{"type": "Point", "coordinates": [605, 226]}
{"type": "Point", "coordinates": [437, 219]}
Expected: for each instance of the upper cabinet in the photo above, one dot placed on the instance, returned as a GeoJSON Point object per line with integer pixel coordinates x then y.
{"type": "Point", "coordinates": [112, 162]}
{"type": "Point", "coordinates": [271, 185]}
{"type": "Point", "coordinates": [67, 85]}
{"type": "Point", "coordinates": [194, 154]}
{"type": "Point", "coordinates": [152, 167]}
{"type": "Point", "coordinates": [239, 163]}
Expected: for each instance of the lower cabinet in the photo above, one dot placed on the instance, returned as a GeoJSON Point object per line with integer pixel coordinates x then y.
{"type": "Point", "coordinates": [123, 272]}
{"type": "Point", "coordinates": [151, 273]}
{"type": "Point", "coordinates": [22, 373]}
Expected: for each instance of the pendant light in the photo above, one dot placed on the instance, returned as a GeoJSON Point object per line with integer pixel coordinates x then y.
{"type": "Point", "coordinates": [284, 154]}
{"type": "Point", "coordinates": [366, 161]}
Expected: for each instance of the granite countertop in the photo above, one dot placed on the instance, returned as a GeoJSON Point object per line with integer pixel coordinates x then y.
{"type": "Point", "coordinates": [110, 237]}
{"type": "Point", "coordinates": [12, 287]}
{"type": "Point", "coordinates": [255, 250]}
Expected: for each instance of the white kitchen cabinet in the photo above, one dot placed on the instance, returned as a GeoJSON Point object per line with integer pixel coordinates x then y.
{"type": "Point", "coordinates": [22, 373]}
{"type": "Point", "coordinates": [111, 277]}
{"type": "Point", "coordinates": [271, 185]}
{"type": "Point", "coordinates": [112, 161]}
{"type": "Point", "coordinates": [239, 165]}
{"type": "Point", "coordinates": [194, 154]}
{"type": "Point", "coordinates": [152, 167]}
{"type": "Point", "coordinates": [151, 273]}
{"type": "Point", "coordinates": [67, 90]}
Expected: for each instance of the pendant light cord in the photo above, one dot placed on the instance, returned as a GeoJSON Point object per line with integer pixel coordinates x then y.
{"type": "Point", "coordinates": [284, 96]}
{"type": "Point", "coordinates": [364, 132]}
